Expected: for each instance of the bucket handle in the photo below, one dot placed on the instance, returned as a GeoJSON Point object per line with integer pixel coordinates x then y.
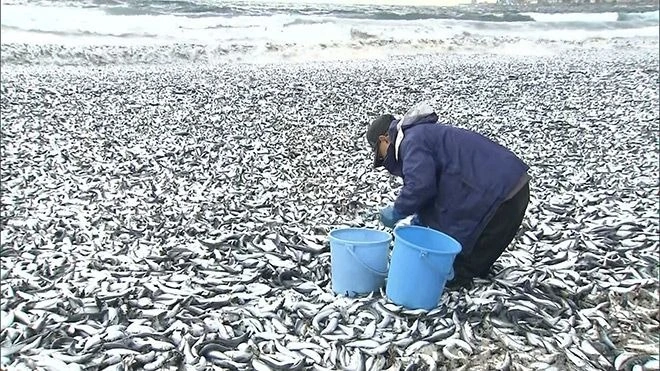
{"type": "Point", "coordinates": [351, 250]}
{"type": "Point", "coordinates": [450, 275]}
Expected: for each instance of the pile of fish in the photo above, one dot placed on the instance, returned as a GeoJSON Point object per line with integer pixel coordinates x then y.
{"type": "Point", "coordinates": [177, 217]}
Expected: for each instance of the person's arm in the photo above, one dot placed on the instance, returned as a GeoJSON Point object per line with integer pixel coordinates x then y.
{"type": "Point", "coordinates": [419, 174]}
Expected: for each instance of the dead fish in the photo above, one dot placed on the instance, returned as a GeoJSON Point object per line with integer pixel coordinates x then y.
{"type": "Point", "coordinates": [127, 243]}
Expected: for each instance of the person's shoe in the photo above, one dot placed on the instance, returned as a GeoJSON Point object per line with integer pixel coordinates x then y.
{"type": "Point", "coordinates": [459, 282]}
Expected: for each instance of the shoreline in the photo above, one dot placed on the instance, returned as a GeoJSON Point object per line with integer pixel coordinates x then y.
{"type": "Point", "coordinates": [17, 55]}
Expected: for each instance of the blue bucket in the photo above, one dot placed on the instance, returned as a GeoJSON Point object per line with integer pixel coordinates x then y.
{"type": "Point", "coordinates": [422, 262]}
{"type": "Point", "coordinates": [358, 260]}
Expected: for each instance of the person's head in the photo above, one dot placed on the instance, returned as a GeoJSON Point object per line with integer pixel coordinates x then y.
{"type": "Point", "coordinates": [378, 137]}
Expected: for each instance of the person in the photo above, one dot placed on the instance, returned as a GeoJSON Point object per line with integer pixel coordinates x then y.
{"type": "Point", "coordinates": [455, 181]}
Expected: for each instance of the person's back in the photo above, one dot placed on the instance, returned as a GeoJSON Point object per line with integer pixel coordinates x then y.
{"type": "Point", "coordinates": [473, 176]}
{"type": "Point", "coordinates": [479, 161]}
{"type": "Point", "coordinates": [455, 181]}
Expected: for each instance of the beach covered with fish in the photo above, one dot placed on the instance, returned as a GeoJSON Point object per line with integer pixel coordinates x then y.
{"type": "Point", "coordinates": [165, 208]}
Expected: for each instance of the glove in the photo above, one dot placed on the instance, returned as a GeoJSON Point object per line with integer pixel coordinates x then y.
{"type": "Point", "coordinates": [389, 216]}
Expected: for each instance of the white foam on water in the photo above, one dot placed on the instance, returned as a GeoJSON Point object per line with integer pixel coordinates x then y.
{"type": "Point", "coordinates": [651, 17]}
{"type": "Point", "coordinates": [294, 35]}
{"type": "Point", "coordinates": [86, 23]}
{"type": "Point", "coordinates": [574, 17]}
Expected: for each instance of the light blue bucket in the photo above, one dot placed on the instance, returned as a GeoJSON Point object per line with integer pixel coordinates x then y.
{"type": "Point", "coordinates": [422, 262]}
{"type": "Point", "coordinates": [358, 260]}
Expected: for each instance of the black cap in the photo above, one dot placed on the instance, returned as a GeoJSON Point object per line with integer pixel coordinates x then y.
{"type": "Point", "coordinates": [378, 127]}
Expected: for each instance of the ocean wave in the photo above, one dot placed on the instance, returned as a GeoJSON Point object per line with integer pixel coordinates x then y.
{"type": "Point", "coordinates": [156, 7]}
{"type": "Point", "coordinates": [374, 12]}
{"type": "Point", "coordinates": [221, 26]}
{"type": "Point", "coordinates": [412, 16]}
{"type": "Point", "coordinates": [141, 8]}
{"type": "Point", "coordinates": [126, 11]}
{"type": "Point", "coordinates": [302, 22]}
{"type": "Point", "coordinates": [650, 17]}
{"type": "Point", "coordinates": [156, 15]}
{"type": "Point", "coordinates": [485, 12]}
{"type": "Point", "coordinates": [574, 17]}
{"type": "Point", "coordinates": [83, 33]}
{"type": "Point", "coordinates": [279, 27]}
{"type": "Point", "coordinates": [596, 18]}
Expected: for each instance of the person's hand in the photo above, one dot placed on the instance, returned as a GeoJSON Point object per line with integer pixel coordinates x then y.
{"type": "Point", "coordinates": [389, 217]}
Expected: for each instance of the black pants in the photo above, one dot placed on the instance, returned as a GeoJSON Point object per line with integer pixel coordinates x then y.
{"type": "Point", "coordinates": [495, 238]}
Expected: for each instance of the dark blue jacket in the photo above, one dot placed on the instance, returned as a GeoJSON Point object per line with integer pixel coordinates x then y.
{"type": "Point", "coordinates": [453, 179]}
